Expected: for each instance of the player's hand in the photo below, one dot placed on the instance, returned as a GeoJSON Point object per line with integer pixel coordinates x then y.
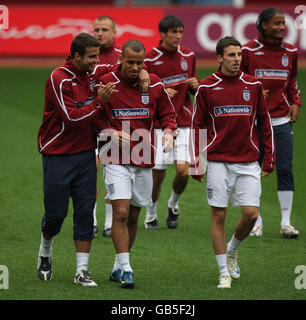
{"type": "Point", "coordinates": [171, 92]}
{"type": "Point", "coordinates": [266, 93]}
{"type": "Point", "coordinates": [193, 83]}
{"type": "Point", "coordinates": [294, 113]}
{"type": "Point", "coordinates": [121, 138]}
{"type": "Point", "coordinates": [265, 173]}
{"type": "Point", "coordinates": [104, 92]}
{"type": "Point", "coordinates": [167, 142]}
{"type": "Point", "coordinates": [144, 80]}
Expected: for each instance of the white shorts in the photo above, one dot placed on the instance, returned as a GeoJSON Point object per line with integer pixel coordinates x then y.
{"type": "Point", "coordinates": [238, 181]}
{"type": "Point", "coordinates": [180, 150]}
{"type": "Point", "coordinates": [128, 182]}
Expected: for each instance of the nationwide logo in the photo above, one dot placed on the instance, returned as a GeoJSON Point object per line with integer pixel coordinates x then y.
{"type": "Point", "coordinates": [222, 111]}
{"type": "Point", "coordinates": [127, 114]}
{"type": "Point", "coordinates": [175, 80]}
{"type": "Point", "coordinates": [271, 74]}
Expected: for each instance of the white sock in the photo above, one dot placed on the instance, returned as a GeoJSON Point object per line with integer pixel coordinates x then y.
{"type": "Point", "coordinates": [95, 215]}
{"type": "Point", "coordinates": [116, 263]}
{"type": "Point", "coordinates": [82, 261]}
{"type": "Point", "coordinates": [233, 244]}
{"type": "Point", "coordinates": [285, 199]}
{"type": "Point", "coordinates": [108, 216]}
{"type": "Point", "coordinates": [259, 220]}
{"type": "Point", "coordinates": [124, 261]}
{"type": "Point", "coordinates": [151, 211]}
{"type": "Point", "coordinates": [222, 264]}
{"type": "Point", "coordinates": [45, 248]}
{"type": "Point", "coordinates": [173, 200]}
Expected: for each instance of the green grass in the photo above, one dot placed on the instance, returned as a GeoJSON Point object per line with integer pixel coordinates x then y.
{"type": "Point", "coordinates": [168, 264]}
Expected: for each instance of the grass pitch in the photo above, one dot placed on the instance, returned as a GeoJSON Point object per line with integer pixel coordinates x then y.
{"type": "Point", "coordinates": [168, 264]}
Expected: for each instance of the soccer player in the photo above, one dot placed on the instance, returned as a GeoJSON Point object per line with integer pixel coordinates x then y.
{"type": "Point", "coordinates": [274, 63]}
{"type": "Point", "coordinates": [67, 143]}
{"type": "Point", "coordinates": [128, 176]}
{"type": "Point", "coordinates": [227, 104]}
{"type": "Point", "coordinates": [176, 67]}
{"type": "Point", "coordinates": [104, 30]}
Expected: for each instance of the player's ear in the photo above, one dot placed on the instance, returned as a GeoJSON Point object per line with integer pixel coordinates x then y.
{"type": "Point", "coordinates": [77, 56]}
{"type": "Point", "coordinates": [264, 25]}
{"type": "Point", "coordinates": [163, 34]}
{"type": "Point", "coordinates": [120, 58]}
{"type": "Point", "coordinates": [219, 58]}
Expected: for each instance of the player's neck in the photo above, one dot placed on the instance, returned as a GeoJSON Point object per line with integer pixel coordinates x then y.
{"type": "Point", "coordinates": [228, 73]}
{"type": "Point", "coordinates": [168, 47]}
{"type": "Point", "coordinates": [273, 40]}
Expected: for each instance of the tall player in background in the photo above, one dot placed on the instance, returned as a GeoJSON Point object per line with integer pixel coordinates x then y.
{"type": "Point", "coordinates": [104, 30]}
{"type": "Point", "coordinates": [274, 63]}
{"type": "Point", "coordinates": [176, 66]}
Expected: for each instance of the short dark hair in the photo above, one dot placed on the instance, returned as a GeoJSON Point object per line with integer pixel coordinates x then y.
{"type": "Point", "coordinates": [225, 42]}
{"type": "Point", "coordinates": [135, 45]}
{"type": "Point", "coordinates": [81, 42]}
{"type": "Point", "coordinates": [170, 22]}
{"type": "Point", "coordinates": [265, 16]}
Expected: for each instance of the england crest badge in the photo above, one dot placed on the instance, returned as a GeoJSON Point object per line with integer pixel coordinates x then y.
{"type": "Point", "coordinates": [285, 61]}
{"type": "Point", "coordinates": [184, 65]}
{"type": "Point", "coordinates": [246, 95]}
{"type": "Point", "coordinates": [145, 98]}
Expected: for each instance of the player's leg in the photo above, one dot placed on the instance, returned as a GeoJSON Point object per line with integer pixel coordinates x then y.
{"type": "Point", "coordinates": [217, 197]}
{"type": "Point", "coordinates": [107, 231]}
{"type": "Point", "coordinates": [218, 236]}
{"type": "Point", "coordinates": [96, 227]}
{"type": "Point", "coordinates": [246, 194]}
{"type": "Point", "coordinates": [178, 186]}
{"type": "Point", "coordinates": [242, 230]}
{"type": "Point", "coordinates": [285, 180]}
{"type": "Point", "coordinates": [118, 182]}
{"type": "Point", "coordinates": [257, 230]}
{"type": "Point", "coordinates": [83, 194]}
{"type": "Point", "coordinates": [182, 159]}
{"type": "Point", "coordinates": [56, 187]}
{"type": "Point", "coordinates": [158, 176]}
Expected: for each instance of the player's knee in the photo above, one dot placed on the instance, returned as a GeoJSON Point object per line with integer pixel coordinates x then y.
{"type": "Point", "coordinates": [120, 215]}
{"type": "Point", "coordinates": [52, 227]}
{"type": "Point", "coordinates": [251, 215]}
{"type": "Point", "coordinates": [183, 171]}
{"type": "Point", "coordinates": [219, 216]}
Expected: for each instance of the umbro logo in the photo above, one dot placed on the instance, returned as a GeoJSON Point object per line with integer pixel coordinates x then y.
{"type": "Point", "coordinates": [259, 53]}
{"type": "Point", "coordinates": [157, 63]}
{"type": "Point", "coordinates": [218, 88]}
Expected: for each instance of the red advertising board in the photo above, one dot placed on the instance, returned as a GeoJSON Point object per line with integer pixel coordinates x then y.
{"type": "Point", "coordinates": [48, 31]}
